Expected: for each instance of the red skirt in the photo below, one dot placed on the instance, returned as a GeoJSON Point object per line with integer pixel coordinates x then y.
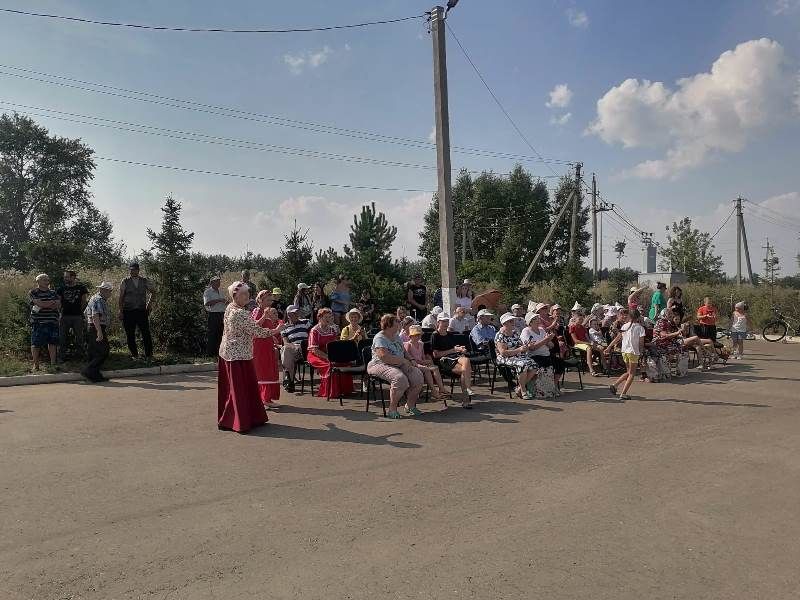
{"type": "Point", "coordinates": [266, 364]}
{"type": "Point", "coordinates": [340, 384]}
{"type": "Point", "coordinates": [238, 405]}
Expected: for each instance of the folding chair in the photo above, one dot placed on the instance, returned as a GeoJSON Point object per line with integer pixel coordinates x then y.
{"type": "Point", "coordinates": [344, 358]}
{"type": "Point", "coordinates": [301, 365]}
{"type": "Point", "coordinates": [509, 375]}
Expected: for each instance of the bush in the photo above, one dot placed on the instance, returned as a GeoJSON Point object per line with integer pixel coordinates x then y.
{"type": "Point", "coordinates": [14, 323]}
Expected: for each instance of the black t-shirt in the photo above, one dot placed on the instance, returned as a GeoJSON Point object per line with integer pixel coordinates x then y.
{"type": "Point", "coordinates": [419, 293]}
{"type": "Point", "coordinates": [280, 306]}
{"type": "Point", "coordinates": [442, 343]}
{"type": "Point", "coordinates": [71, 298]}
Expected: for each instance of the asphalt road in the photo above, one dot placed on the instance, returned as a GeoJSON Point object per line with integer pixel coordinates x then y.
{"type": "Point", "coordinates": [127, 490]}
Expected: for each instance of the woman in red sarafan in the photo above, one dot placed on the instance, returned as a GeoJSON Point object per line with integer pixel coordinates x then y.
{"type": "Point", "coordinates": [322, 334]}
{"type": "Point", "coordinates": [264, 358]}
{"type": "Point", "coordinates": [239, 407]}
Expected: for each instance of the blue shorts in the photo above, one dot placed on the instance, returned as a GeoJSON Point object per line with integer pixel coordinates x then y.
{"type": "Point", "coordinates": [44, 334]}
{"type": "Point", "coordinates": [738, 336]}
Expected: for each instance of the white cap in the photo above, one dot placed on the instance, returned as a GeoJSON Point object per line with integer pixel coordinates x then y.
{"type": "Point", "coordinates": [484, 313]}
{"type": "Point", "coordinates": [442, 317]}
{"type": "Point", "coordinates": [467, 282]}
{"type": "Point", "coordinates": [302, 286]}
{"type": "Point", "coordinates": [634, 288]}
{"type": "Point", "coordinates": [537, 307]}
{"type": "Point", "coordinates": [596, 305]}
{"type": "Point", "coordinates": [292, 308]}
{"type": "Point", "coordinates": [577, 307]}
{"type": "Point", "coordinates": [106, 285]}
{"type": "Point", "coordinates": [506, 318]}
{"type": "Point", "coordinates": [436, 310]}
{"type": "Point", "coordinates": [516, 306]}
{"type": "Point", "coordinates": [531, 316]}
{"type": "Point", "coordinates": [354, 311]}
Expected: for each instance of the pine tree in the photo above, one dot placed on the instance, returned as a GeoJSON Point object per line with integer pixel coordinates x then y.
{"type": "Point", "coordinates": [179, 278]}
{"type": "Point", "coordinates": [296, 256]}
{"type": "Point", "coordinates": [371, 239]}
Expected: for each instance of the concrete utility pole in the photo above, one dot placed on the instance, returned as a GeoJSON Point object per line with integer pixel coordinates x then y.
{"type": "Point", "coordinates": [601, 242]}
{"type": "Point", "coordinates": [739, 241]}
{"type": "Point", "coordinates": [747, 255]}
{"type": "Point", "coordinates": [446, 241]}
{"type": "Point", "coordinates": [556, 222]}
{"type": "Point", "coordinates": [594, 227]}
{"type": "Point", "coordinates": [576, 205]}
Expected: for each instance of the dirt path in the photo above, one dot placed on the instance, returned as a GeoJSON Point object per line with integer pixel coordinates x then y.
{"type": "Point", "coordinates": [127, 490]}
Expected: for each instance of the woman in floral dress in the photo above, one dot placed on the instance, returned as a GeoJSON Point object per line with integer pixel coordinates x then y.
{"type": "Point", "coordinates": [513, 354]}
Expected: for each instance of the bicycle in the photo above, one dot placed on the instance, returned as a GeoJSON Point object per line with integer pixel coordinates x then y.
{"type": "Point", "coordinates": [778, 327]}
{"type": "Point", "coordinates": [723, 333]}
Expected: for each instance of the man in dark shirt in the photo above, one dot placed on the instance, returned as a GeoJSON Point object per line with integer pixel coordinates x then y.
{"type": "Point", "coordinates": [136, 297]}
{"type": "Point", "coordinates": [417, 298]}
{"type": "Point", "coordinates": [45, 305]}
{"type": "Point", "coordinates": [73, 296]}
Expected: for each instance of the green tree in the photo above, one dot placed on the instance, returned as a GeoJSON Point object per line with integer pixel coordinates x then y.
{"type": "Point", "coordinates": [296, 256]}
{"type": "Point", "coordinates": [691, 251]}
{"type": "Point", "coordinates": [371, 239]}
{"type": "Point", "coordinates": [557, 254]}
{"type": "Point", "coordinates": [620, 281]}
{"type": "Point", "coordinates": [619, 248]}
{"type": "Point", "coordinates": [179, 278]}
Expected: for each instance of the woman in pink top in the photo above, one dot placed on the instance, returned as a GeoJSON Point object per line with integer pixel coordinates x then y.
{"type": "Point", "coordinates": [416, 350]}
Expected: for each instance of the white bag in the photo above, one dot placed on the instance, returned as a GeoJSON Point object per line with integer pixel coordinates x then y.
{"type": "Point", "coordinates": [663, 368]}
{"type": "Point", "coordinates": [683, 364]}
{"type": "Point", "coordinates": [545, 385]}
{"type": "Point", "coordinates": [652, 369]}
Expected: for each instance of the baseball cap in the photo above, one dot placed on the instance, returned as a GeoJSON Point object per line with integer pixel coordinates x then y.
{"type": "Point", "coordinates": [516, 306]}
{"type": "Point", "coordinates": [485, 313]}
{"type": "Point", "coordinates": [506, 318]}
{"type": "Point", "coordinates": [467, 282]}
{"type": "Point", "coordinates": [539, 306]}
{"type": "Point", "coordinates": [436, 310]}
{"type": "Point", "coordinates": [442, 317]}
{"type": "Point", "coordinates": [292, 308]}
{"type": "Point", "coordinates": [276, 291]}
{"type": "Point", "coordinates": [302, 286]}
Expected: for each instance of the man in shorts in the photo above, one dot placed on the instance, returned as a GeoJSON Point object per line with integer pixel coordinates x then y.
{"type": "Point", "coordinates": [45, 306]}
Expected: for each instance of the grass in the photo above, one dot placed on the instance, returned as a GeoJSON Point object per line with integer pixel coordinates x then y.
{"type": "Point", "coordinates": [13, 364]}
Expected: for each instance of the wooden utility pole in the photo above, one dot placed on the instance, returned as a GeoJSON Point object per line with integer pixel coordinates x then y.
{"type": "Point", "coordinates": [576, 204]}
{"type": "Point", "coordinates": [594, 227]}
{"type": "Point", "coordinates": [739, 241]}
{"type": "Point", "coordinates": [444, 191]}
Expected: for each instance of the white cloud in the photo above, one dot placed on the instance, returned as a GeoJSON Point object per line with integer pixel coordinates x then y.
{"type": "Point", "coordinates": [748, 90]}
{"type": "Point", "coordinates": [408, 216]}
{"type": "Point", "coordinates": [297, 63]}
{"type": "Point", "coordinates": [577, 18]}
{"type": "Point", "coordinates": [562, 120]}
{"type": "Point", "coordinates": [560, 96]}
{"type": "Point", "coordinates": [782, 7]}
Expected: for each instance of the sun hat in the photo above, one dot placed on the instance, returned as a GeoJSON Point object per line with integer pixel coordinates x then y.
{"type": "Point", "coordinates": [292, 308]}
{"type": "Point", "coordinates": [484, 313]}
{"type": "Point", "coordinates": [354, 311]}
{"type": "Point", "coordinates": [516, 306]}
{"type": "Point", "coordinates": [302, 286]}
{"type": "Point", "coordinates": [537, 306]}
{"type": "Point", "coordinates": [106, 285]}
{"type": "Point", "coordinates": [436, 310]}
{"type": "Point", "coordinates": [554, 307]}
{"type": "Point", "coordinates": [576, 306]}
{"type": "Point", "coordinates": [276, 291]}
{"type": "Point", "coordinates": [595, 306]}
{"type": "Point", "coordinates": [740, 305]}
{"type": "Point", "coordinates": [531, 316]}
{"type": "Point", "coordinates": [506, 318]}
{"type": "Point", "coordinates": [415, 330]}
{"type": "Point", "coordinates": [442, 317]}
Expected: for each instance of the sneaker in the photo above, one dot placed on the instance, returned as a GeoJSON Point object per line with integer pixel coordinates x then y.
{"type": "Point", "coordinates": [624, 397]}
{"type": "Point", "coordinates": [613, 389]}
{"type": "Point", "coordinates": [470, 392]}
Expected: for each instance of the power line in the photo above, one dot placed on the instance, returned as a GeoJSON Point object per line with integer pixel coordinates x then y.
{"type": "Point", "coordinates": [494, 96]}
{"type": "Point", "coordinates": [766, 208]}
{"type": "Point", "coordinates": [193, 105]}
{"type": "Point", "coordinates": [728, 218]}
{"type": "Point", "coordinates": [259, 177]}
{"type": "Point", "coordinates": [206, 29]}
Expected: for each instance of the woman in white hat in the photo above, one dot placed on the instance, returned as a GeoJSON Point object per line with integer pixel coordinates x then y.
{"type": "Point", "coordinates": [239, 407]}
{"type": "Point", "coordinates": [513, 354]}
{"type": "Point", "coordinates": [353, 330]}
{"type": "Point", "coordinates": [302, 300]}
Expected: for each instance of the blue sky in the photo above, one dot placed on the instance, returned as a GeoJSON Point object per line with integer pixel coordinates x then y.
{"type": "Point", "coordinates": [660, 150]}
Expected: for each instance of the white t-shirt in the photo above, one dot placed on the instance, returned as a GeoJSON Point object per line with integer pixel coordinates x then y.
{"type": "Point", "coordinates": [464, 301]}
{"type": "Point", "coordinates": [739, 323]}
{"type": "Point", "coordinates": [459, 325]}
{"type": "Point", "coordinates": [631, 334]}
{"type": "Point", "coordinates": [529, 335]}
{"type": "Point", "coordinates": [212, 294]}
{"type": "Point", "coordinates": [429, 322]}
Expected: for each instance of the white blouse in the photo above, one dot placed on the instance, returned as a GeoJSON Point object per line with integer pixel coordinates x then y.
{"type": "Point", "coordinates": [239, 331]}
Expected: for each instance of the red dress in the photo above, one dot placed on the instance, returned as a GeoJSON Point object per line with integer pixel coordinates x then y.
{"type": "Point", "coordinates": [341, 384]}
{"type": "Point", "coordinates": [266, 363]}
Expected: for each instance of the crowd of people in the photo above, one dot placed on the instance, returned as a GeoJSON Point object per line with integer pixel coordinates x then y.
{"type": "Point", "coordinates": [261, 342]}
{"type": "Point", "coordinates": [531, 347]}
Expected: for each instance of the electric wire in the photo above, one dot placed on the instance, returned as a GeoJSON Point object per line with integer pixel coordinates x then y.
{"type": "Point", "coordinates": [258, 177]}
{"type": "Point", "coordinates": [494, 96]}
{"type": "Point", "coordinates": [218, 110]}
{"type": "Point", "coordinates": [206, 29]}
{"type": "Point", "coordinates": [728, 218]}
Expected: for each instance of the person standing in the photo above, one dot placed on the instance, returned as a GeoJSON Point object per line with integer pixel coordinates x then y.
{"type": "Point", "coordinates": [265, 359]}
{"type": "Point", "coordinates": [293, 335]}
{"type": "Point", "coordinates": [417, 298]}
{"type": "Point", "coordinates": [239, 407]}
{"type": "Point", "coordinates": [44, 305]}
{"type": "Point", "coordinates": [277, 303]}
{"type": "Point", "coordinates": [675, 302]}
{"type": "Point", "coordinates": [214, 303]}
{"type": "Point", "coordinates": [302, 300]}
{"type": "Point", "coordinates": [251, 287]}
{"type": "Point", "coordinates": [73, 295]}
{"type": "Point", "coordinates": [340, 300]}
{"type": "Point", "coordinates": [319, 300]}
{"type": "Point", "coordinates": [136, 297]}
{"type": "Point", "coordinates": [707, 320]}
{"type": "Point", "coordinates": [97, 319]}
{"type": "Point", "coordinates": [632, 338]}
{"type": "Point", "coordinates": [657, 301]}
{"type": "Point", "coordinates": [740, 325]}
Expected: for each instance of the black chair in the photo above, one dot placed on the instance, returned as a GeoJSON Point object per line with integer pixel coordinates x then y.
{"type": "Point", "coordinates": [426, 334]}
{"type": "Point", "coordinates": [301, 365]}
{"type": "Point", "coordinates": [372, 382]}
{"type": "Point", "coordinates": [479, 358]}
{"type": "Point", "coordinates": [573, 362]}
{"type": "Point", "coordinates": [345, 359]}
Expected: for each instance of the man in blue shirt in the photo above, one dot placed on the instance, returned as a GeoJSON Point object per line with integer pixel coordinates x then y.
{"type": "Point", "coordinates": [483, 333]}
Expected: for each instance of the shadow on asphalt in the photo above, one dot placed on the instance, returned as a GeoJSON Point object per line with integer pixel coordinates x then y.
{"type": "Point", "coordinates": [701, 402]}
{"type": "Point", "coordinates": [3, 410]}
{"type": "Point", "coordinates": [331, 434]}
{"type": "Point", "coordinates": [150, 386]}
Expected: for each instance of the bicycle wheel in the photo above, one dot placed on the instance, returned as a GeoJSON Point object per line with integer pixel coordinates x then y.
{"type": "Point", "coordinates": [775, 331]}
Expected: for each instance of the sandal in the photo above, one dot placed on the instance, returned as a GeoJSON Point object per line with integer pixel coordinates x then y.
{"type": "Point", "coordinates": [413, 411]}
{"type": "Point", "coordinates": [613, 389]}
{"type": "Point", "coordinates": [393, 414]}
{"type": "Point", "coordinates": [518, 392]}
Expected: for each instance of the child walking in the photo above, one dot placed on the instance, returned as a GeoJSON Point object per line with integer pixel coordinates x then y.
{"type": "Point", "coordinates": [739, 326]}
{"type": "Point", "coordinates": [632, 337]}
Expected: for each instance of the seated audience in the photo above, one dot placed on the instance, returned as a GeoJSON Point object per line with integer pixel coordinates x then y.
{"type": "Point", "coordinates": [513, 354]}
{"type": "Point", "coordinates": [450, 359]}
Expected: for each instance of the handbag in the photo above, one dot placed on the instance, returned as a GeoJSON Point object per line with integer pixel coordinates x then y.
{"type": "Point", "coordinates": [448, 362]}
